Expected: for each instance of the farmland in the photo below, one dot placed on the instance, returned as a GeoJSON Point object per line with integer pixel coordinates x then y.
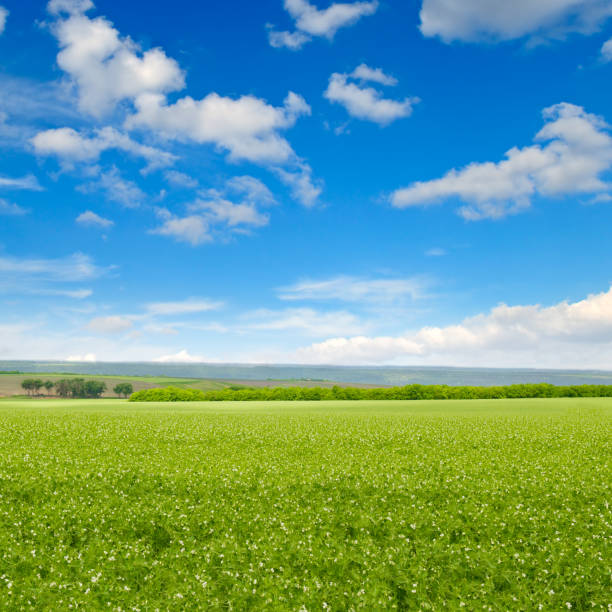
{"type": "Point", "coordinates": [416, 505]}
{"type": "Point", "coordinates": [10, 383]}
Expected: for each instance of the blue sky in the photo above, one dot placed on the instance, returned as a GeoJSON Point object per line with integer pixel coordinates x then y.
{"type": "Point", "coordinates": [289, 181]}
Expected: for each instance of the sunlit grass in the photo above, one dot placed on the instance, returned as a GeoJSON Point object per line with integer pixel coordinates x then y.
{"type": "Point", "coordinates": [500, 505]}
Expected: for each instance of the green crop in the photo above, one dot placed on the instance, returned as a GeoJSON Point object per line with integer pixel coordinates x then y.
{"type": "Point", "coordinates": [434, 505]}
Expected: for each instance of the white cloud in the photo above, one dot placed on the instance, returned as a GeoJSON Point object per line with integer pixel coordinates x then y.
{"type": "Point", "coordinates": [577, 152]}
{"type": "Point", "coordinates": [566, 335]}
{"type": "Point", "coordinates": [92, 219]}
{"type": "Point", "coordinates": [306, 321]}
{"type": "Point", "coordinates": [363, 72]}
{"type": "Point", "coordinates": [72, 7]}
{"type": "Point", "coordinates": [110, 325]}
{"type": "Point", "coordinates": [192, 229]}
{"type": "Point", "coordinates": [180, 179]}
{"type": "Point", "coordinates": [45, 277]}
{"type": "Point", "coordinates": [354, 289]}
{"type": "Point", "coordinates": [106, 68]}
{"type": "Point", "coordinates": [117, 189]}
{"type": "Point", "coordinates": [77, 294]}
{"type": "Point", "coordinates": [303, 187]}
{"type": "Point", "coordinates": [606, 51]}
{"type": "Point", "coordinates": [291, 40]}
{"type": "Point", "coordinates": [189, 306]}
{"type": "Point", "coordinates": [180, 357]}
{"type": "Point", "coordinates": [3, 17]}
{"type": "Point", "coordinates": [435, 252]}
{"type": "Point", "coordinates": [24, 102]}
{"type": "Point", "coordinates": [234, 209]}
{"type": "Point", "coordinates": [28, 183]}
{"type": "Point", "coordinates": [76, 267]}
{"type": "Point", "coordinates": [11, 209]}
{"type": "Point", "coordinates": [497, 20]}
{"type": "Point", "coordinates": [247, 128]}
{"type": "Point", "coordinates": [311, 21]}
{"type": "Point", "coordinates": [220, 210]}
{"type": "Point", "coordinates": [86, 358]}
{"type": "Point", "coordinates": [366, 102]}
{"type": "Point", "coordinates": [70, 146]}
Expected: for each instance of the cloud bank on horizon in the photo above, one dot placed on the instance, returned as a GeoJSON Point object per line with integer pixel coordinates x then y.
{"type": "Point", "coordinates": [307, 181]}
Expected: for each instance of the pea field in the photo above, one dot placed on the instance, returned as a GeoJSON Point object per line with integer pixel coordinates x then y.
{"type": "Point", "coordinates": [306, 506]}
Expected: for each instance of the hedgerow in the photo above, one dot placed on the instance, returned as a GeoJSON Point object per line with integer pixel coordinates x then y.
{"type": "Point", "coordinates": [408, 392]}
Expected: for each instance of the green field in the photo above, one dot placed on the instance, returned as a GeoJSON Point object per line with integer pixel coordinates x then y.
{"type": "Point", "coordinates": [433, 505]}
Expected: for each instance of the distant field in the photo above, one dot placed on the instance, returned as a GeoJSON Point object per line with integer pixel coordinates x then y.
{"type": "Point", "coordinates": [10, 384]}
{"type": "Point", "coordinates": [433, 505]}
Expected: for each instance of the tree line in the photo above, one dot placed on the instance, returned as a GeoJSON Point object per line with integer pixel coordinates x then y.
{"type": "Point", "coordinates": [74, 387]}
{"type": "Point", "coordinates": [408, 392]}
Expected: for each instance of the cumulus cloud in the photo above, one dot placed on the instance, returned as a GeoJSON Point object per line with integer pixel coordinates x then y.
{"type": "Point", "coordinates": [110, 325]}
{"type": "Point", "coordinates": [189, 306]}
{"type": "Point", "coordinates": [247, 127]}
{"type": "Point", "coordinates": [192, 229]}
{"type": "Point", "coordinates": [92, 219]}
{"type": "Point", "coordinates": [105, 67]}
{"type": "Point", "coordinates": [498, 20]}
{"type": "Point", "coordinates": [180, 357]}
{"type": "Point", "coordinates": [577, 151]}
{"type": "Point", "coordinates": [85, 358]}
{"type": "Point", "coordinates": [235, 209]}
{"type": "Point", "coordinates": [108, 70]}
{"type": "Point", "coordinates": [311, 21]}
{"type": "Point", "coordinates": [3, 17]}
{"type": "Point", "coordinates": [70, 146]}
{"type": "Point", "coordinates": [567, 334]}
{"type": "Point", "coordinates": [363, 102]}
{"type": "Point", "coordinates": [354, 289]}
{"type": "Point", "coordinates": [27, 183]}
{"type": "Point", "coordinates": [12, 210]}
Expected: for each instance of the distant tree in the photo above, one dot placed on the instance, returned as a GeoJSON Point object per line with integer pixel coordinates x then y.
{"type": "Point", "coordinates": [38, 385]}
{"type": "Point", "coordinates": [94, 388]}
{"type": "Point", "coordinates": [77, 387]}
{"type": "Point", "coordinates": [48, 384]}
{"type": "Point", "coordinates": [27, 385]}
{"type": "Point", "coordinates": [124, 389]}
{"type": "Point", "coordinates": [62, 387]}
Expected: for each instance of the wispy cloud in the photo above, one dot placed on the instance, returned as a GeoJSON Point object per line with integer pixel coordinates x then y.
{"type": "Point", "coordinates": [11, 209]}
{"type": "Point", "coordinates": [26, 183]}
{"type": "Point", "coordinates": [355, 289]}
{"type": "Point", "coordinates": [188, 306]}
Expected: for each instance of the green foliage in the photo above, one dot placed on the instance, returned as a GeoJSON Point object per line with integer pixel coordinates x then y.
{"type": "Point", "coordinates": [409, 392]}
{"type": "Point", "coordinates": [32, 385]}
{"type": "Point", "coordinates": [79, 387]}
{"type": "Point", "coordinates": [123, 389]}
{"type": "Point", "coordinates": [169, 394]}
{"type": "Point", "coordinates": [489, 505]}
